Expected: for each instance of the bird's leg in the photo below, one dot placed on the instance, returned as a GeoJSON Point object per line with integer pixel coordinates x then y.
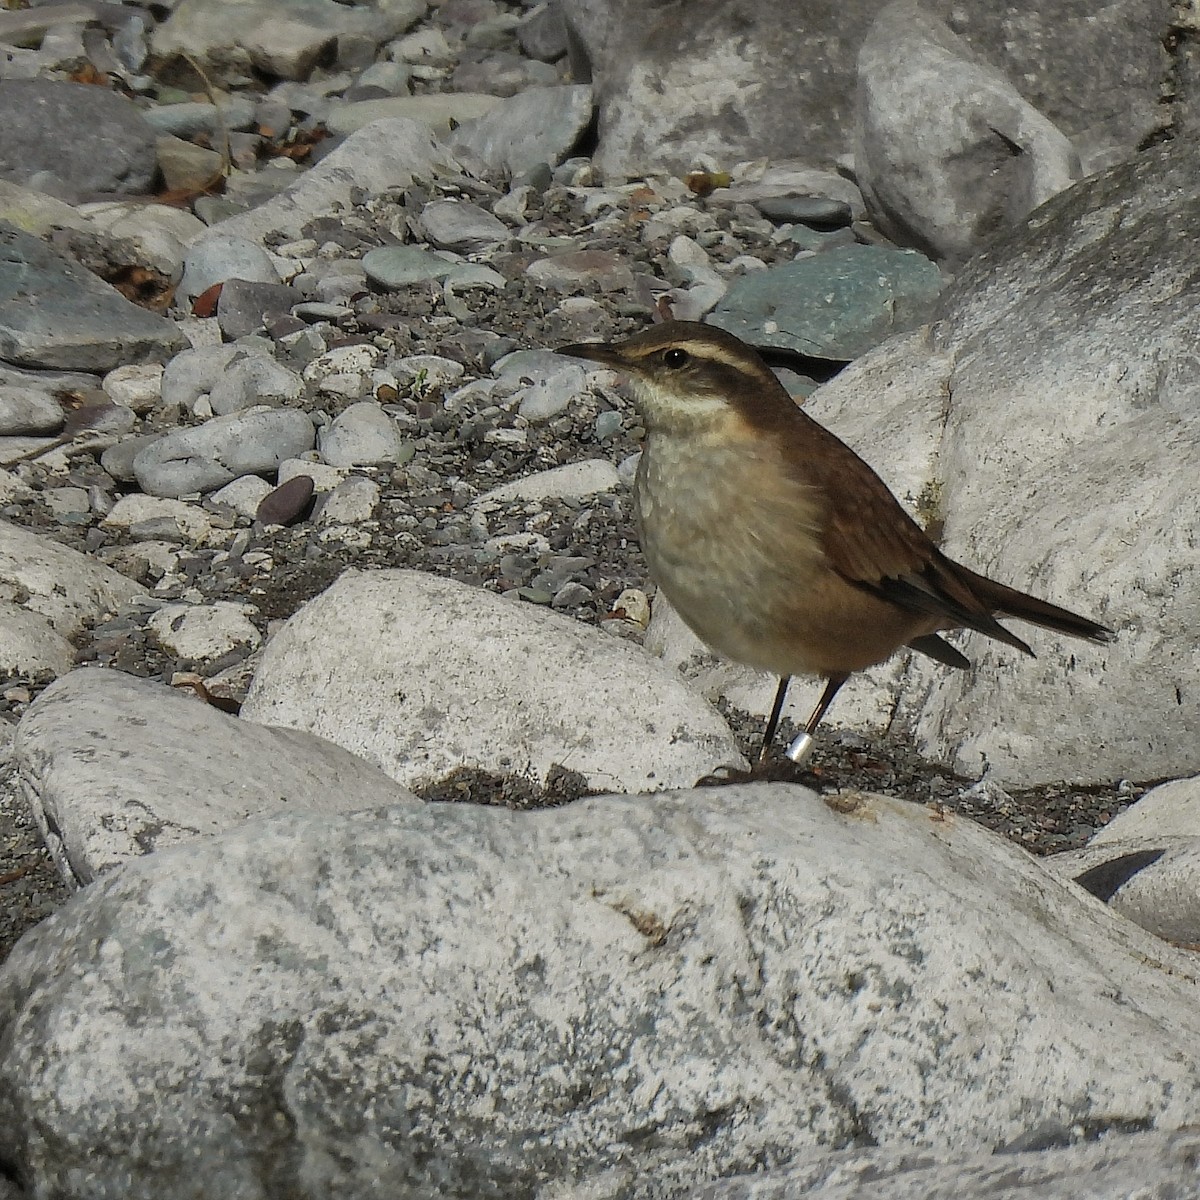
{"type": "Point", "coordinates": [773, 719]}
{"type": "Point", "coordinates": [803, 743]}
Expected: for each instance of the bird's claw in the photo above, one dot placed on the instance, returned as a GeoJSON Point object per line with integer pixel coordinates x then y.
{"type": "Point", "coordinates": [725, 775]}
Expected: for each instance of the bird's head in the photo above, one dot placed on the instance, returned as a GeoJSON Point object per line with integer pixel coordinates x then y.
{"type": "Point", "coordinates": [689, 376]}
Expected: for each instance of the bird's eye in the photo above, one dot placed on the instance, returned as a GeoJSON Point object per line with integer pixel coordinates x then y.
{"type": "Point", "coordinates": [675, 358]}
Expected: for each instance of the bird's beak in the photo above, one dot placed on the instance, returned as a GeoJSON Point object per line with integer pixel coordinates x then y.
{"type": "Point", "coordinates": [596, 351]}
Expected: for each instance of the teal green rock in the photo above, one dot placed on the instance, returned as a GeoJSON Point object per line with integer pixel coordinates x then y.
{"type": "Point", "coordinates": [837, 304]}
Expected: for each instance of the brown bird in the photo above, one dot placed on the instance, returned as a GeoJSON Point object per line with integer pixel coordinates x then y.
{"type": "Point", "coordinates": [776, 544]}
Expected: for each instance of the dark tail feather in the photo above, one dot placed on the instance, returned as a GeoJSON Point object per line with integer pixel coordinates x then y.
{"type": "Point", "coordinates": [1008, 602]}
{"type": "Point", "coordinates": [940, 651]}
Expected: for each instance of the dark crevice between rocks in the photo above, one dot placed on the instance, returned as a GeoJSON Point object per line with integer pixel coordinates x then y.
{"type": "Point", "coordinates": [10, 1181]}
{"type": "Point", "coordinates": [1106, 879]}
{"type": "Point", "coordinates": [1052, 1135]}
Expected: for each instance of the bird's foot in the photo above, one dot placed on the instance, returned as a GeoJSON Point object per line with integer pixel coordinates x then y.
{"type": "Point", "coordinates": [764, 770]}
{"type": "Point", "coordinates": [726, 774]}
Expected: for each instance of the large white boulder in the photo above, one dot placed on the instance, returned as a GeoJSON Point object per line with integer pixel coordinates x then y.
{"type": "Point", "coordinates": [624, 997]}
{"type": "Point", "coordinates": [115, 767]}
{"type": "Point", "coordinates": [422, 675]}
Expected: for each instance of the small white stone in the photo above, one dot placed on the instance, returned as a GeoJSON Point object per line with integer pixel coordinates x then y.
{"type": "Point", "coordinates": [351, 502]}
{"type": "Point", "coordinates": [192, 522]}
{"type": "Point", "coordinates": [343, 385]}
{"type": "Point", "coordinates": [244, 494]}
{"type": "Point", "coordinates": [204, 631]}
{"type": "Point", "coordinates": [427, 371]}
{"type": "Point", "coordinates": [137, 386]}
{"type": "Point", "coordinates": [325, 478]}
{"type": "Point", "coordinates": [573, 481]}
{"type": "Point", "coordinates": [634, 606]}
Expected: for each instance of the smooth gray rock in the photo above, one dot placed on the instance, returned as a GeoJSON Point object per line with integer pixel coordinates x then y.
{"type": "Point", "coordinates": [162, 768]}
{"type": "Point", "coordinates": [1145, 863]}
{"type": "Point", "coordinates": [243, 495]}
{"type": "Point", "coordinates": [160, 233]}
{"type": "Point", "coordinates": [626, 997]}
{"type": "Point", "coordinates": [28, 410]}
{"type": "Point", "coordinates": [252, 379]}
{"type": "Point", "coordinates": [361, 435]}
{"type": "Point", "coordinates": [117, 460]}
{"type": "Point", "coordinates": [505, 73]}
{"type": "Point", "coordinates": [245, 308]}
{"type": "Point", "coordinates": [541, 125]}
{"type": "Point", "coordinates": [156, 518]}
{"type": "Point", "coordinates": [1118, 1166]}
{"type": "Point", "coordinates": [947, 151]}
{"type": "Point", "coordinates": [79, 322]}
{"type": "Point", "coordinates": [1169, 810]}
{"type": "Point", "coordinates": [137, 387]}
{"type": "Point", "coordinates": [41, 135]}
{"type": "Point", "coordinates": [216, 257]}
{"type": "Point", "coordinates": [735, 82]}
{"type": "Point", "coordinates": [187, 167]}
{"type": "Point", "coordinates": [553, 394]}
{"type": "Point", "coordinates": [199, 459]}
{"type": "Point", "coordinates": [529, 366]}
{"type": "Point", "coordinates": [194, 373]}
{"type": "Point", "coordinates": [580, 270]}
{"type": "Point", "coordinates": [460, 225]}
{"type": "Point", "coordinates": [783, 181]}
{"type": "Point", "coordinates": [486, 683]}
{"type": "Point", "coordinates": [388, 78]}
{"type": "Point", "coordinates": [195, 116]}
{"type": "Point", "coordinates": [823, 212]}
{"type": "Point", "coordinates": [834, 305]}
{"type": "Point", "coordinates": [398, 266]}
{"type": "Point", "coordinates": [203, 632]}
{"type": "Point", "coordinates": [543, 34]}
{"type": "Point", "coordinates": [576, 480]}
{"type": "Point", "coordinates": [353, 501]}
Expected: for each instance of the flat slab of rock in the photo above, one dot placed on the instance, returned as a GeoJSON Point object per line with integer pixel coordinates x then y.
{"type": "Point", "coordinates": [627, 996]}
{"type": "Point", "coordinates": [116, 767]}
{"type": "Point", "coordinates": [78, 323]}
{"type": "Point", "coordinates": [421, 676]}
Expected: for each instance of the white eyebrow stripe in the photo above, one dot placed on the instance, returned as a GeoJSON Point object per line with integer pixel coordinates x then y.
{"type": "Point", "coordinates": [705, 352]}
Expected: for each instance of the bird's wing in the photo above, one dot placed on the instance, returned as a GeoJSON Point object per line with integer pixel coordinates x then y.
{"type": "Point", "coordinates": [873, 543]}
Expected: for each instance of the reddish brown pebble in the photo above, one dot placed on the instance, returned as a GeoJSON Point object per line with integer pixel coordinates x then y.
{"type": "Point", "coordinates": [286, 503]}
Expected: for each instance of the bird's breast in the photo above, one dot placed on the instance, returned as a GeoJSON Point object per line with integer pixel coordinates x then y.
{"type": "Point", "coordinates": [732, 538]}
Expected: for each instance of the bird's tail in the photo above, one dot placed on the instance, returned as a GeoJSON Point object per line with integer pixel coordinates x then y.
{"type": "Point", "coordinates": [1008, 602]}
